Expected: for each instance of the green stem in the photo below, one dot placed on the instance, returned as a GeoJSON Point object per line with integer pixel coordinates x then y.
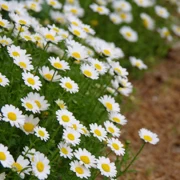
{"type": "Point", "coordinates": [124, 171]}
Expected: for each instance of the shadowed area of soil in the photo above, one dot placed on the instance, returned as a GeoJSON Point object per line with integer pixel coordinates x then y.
{"type": "Point", "coordinates": [158, 109]}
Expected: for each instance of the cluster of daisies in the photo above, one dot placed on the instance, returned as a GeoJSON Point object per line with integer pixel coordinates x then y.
{"type": "Point", "coordinates": [45, 55]}
{"type": "Point", "coordinates": [122, 13]}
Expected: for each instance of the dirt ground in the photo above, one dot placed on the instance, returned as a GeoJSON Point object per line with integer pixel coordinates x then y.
{"type": "Point", "coordinates": [158, 109]}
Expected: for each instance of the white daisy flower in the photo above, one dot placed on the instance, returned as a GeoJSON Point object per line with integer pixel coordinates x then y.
{"type": "Point", "coordinates": [126, 17]}
{"type": "Point", "coordinates": [22, 20]}
{"type": "Point", "coordinates": [161, 11]}
{"type": "Point", "coordinates": [114, 17]}
{"type": "Point", "coordinates": [112, 129]}
{"type": "Point", "coordinates": [65, 150]}
{"type": "Point", "coordinates": [77, 31]}
{"type": "Point", "coordinates": [32, 80]}
{"type": "Point", "coordinates": [137, 63]}
{"type": "Point", "coordinates": [39, 100]}
{"type": "Point", "coordinates": [85, 131]}
{"type": "Point", "coordinates": [7, 6]}
{"type": "Point", "coordinates": [21, 166]}
{"type": "Point", "coordinates": [29, 124]}
{"type": "Point", "coordinates": [6, 158]}
{"type": "Point", "coordinates": [17, 52]}
{"type": "Point", "coordinates": [129, 34]}
{"type": "Point", "coordinates": [118, 69]}
{"type": "Point", "coordinates": [87, 29]}
{"type": "Point", "coordinates": [107, 168]}
{"type": "Point", "coordinates": [148, 22]}
{"type": "Point", "coordinates": [76, 125]}
{"type": "Point", "coordinates": [4, 23]}
{"type": "Point", "coordinates": [176, 30]}
{"type": "Point", "coordinates": [65, 117]}
{"type": "Point", "coordinates": [54, 3]}
{"type": "Point", "coordinates": [89, 71]}
{"type": "Point", "coordinates": [24, 63]}
{"type": "Point", "coordinates": [109, 103]}
{"type": "Point", "coordinates": [76, 50]}
{"type": "Point", "coordinates": [144, 3]}
{"type": "Point", "coordinates": [59, 64]}
{"type": "Point", "coordinates": [40, 166]}
{"type": "Point", "coordinates": [121, 5]}
{"type": "Point", "coordinates": [29, 153]}
{"type": "Point", "coordinates": [29, 105]}
{"type": "Point", "coordinates": [41, 133]}
{"type": "Point", "coordinates": [4, 81]}
{"type": "Point", "coordinates": [71, 136]}
{"type": "Point", "coordinates": [75, 10]}
{"type": "Point", "coordinates": [49, 75]}
{"type": "Point", "coordinates": [80, 170]}
{"type": "Point", "coordinates": [69, 85]}
{"type": "Point", "coordinates": [148, 136]}
{"type": "Point", "coordinates": [5, 41]}
{"type": "Point", "coordinates": [117, 118]}
{"type": "Point", "coordinates": [98, 131]}
{"type": "Point", "coordinates": [165, 33]}
{"type": "Point", "coordinates": [85, 158]}
{"type": "Point", "coordinates": [116, 146]}
{"type": "Point", "coordinates": [61, 104]}
{"type": "Point", "coordinates": [99, 9]}
{"type": "Point", "coordinates": [100, 67]}
{"type": "Point", "coordinates": [12, 115]}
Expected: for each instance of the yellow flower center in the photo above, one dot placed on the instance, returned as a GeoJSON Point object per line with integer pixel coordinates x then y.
{"type": "Point", "coordinates": [53, 3]}
{"type": "Point", "coordinates": [68, 85]}
{"type": "Point", "coordinates": [115, 146]}
{"type": "Point", "coordinates": [79, 170]}
{"type": "Point", "coordinates": [22, 22]}
{"type": "Point", "coordinates": [86, 29]}
{"type": "Point", "coordinates": [118, 70]}
{"type": "Point", "coordinates": [148, 138]}
{"type": "Point", "coordinates": [128, 34]}
{"type": "Point", "coordinates": [98, 67]}
{"type": "Point", "coordinates": [84, 130]}
{"type": "Point", "coordinates": [64, 150]}
{"type": "Point", "coordinates": [2, 23]}
{"type": "Point", "coordinates": [41, 133]}
{"type": "Point", "coordinates": [31, 81]}
{"type": "Point", "coordinates": [85, 159]}
{"type": "Point", "coordinates": [105, 167]}
{"type": "Point", "coordinates": [74, 23]}
{"type": "Point", "coordinates": [74, 11]}
{"type": "Point", "coordinates": [115, 119]}
{"type": "Point", "coordinates": [40, 166]}
{"type": "Point", "coordinates": [17, 166]}
{"type": "Point", "coordinates": [64, 36]}
{"type": "Point", "coordinates": [3, 41]}
{"type": "Point", "coordinates": [48, 76]}
{"type": "Point", "coordinates": [166, 33]}
{"type": "Point", "coordinates": [74, 126]}
{"type": "Point", "coordinates": [12, 116]}
{"type": "Point", "coordinates": [58, 65]}
{"type": "Point", "coordinates": [1, 80]}
{"type": "Point", "coordinates": [28, 38]}
{"type": "Point", "coordinates": [5, 7]}
{"type": "Point", "coordinates": [106, 52]}
{"type": "Point", "coordinates": [109, 106]}
{"type": "Point", "coordinates": [49, 37]}
{"type": "Point", "coordinates": [22, 65]}
{"type": "Point", "coordinates": [138, 64]}
{"type": "Point", "coordinates": [100, 9]}
{"type": "Point", "coordinates": [111, 130]}
{"type": "Point", "coordinates": [28, 127]}
{"type": "Point", "coordinates": [123, 15]}
{"type": "Point", "coordinates": [2, 156]}
{"type": "Point", "coordinates": [33, 6]}
{"type": "Point", "coordinates": [145, 22]}
{"type": "Point", "coordinates": [65, 118]}
{"type": "Point", "coordinates": [15, 53]}
{"type": "Point", "coordinates": [87, 73]}
{"type": "Point", "coordinates": [76, 55]}
{"type": "Point", "coordinates": [71, 137]}
{"type": "Point", "coordinates": [29, 105]}
{"type": "Point", "coordinates": [38, 103]}
{"type": "Point", "coordinates": [97, 132]}
{"type": "Point", "coordinates": [76, 32]}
